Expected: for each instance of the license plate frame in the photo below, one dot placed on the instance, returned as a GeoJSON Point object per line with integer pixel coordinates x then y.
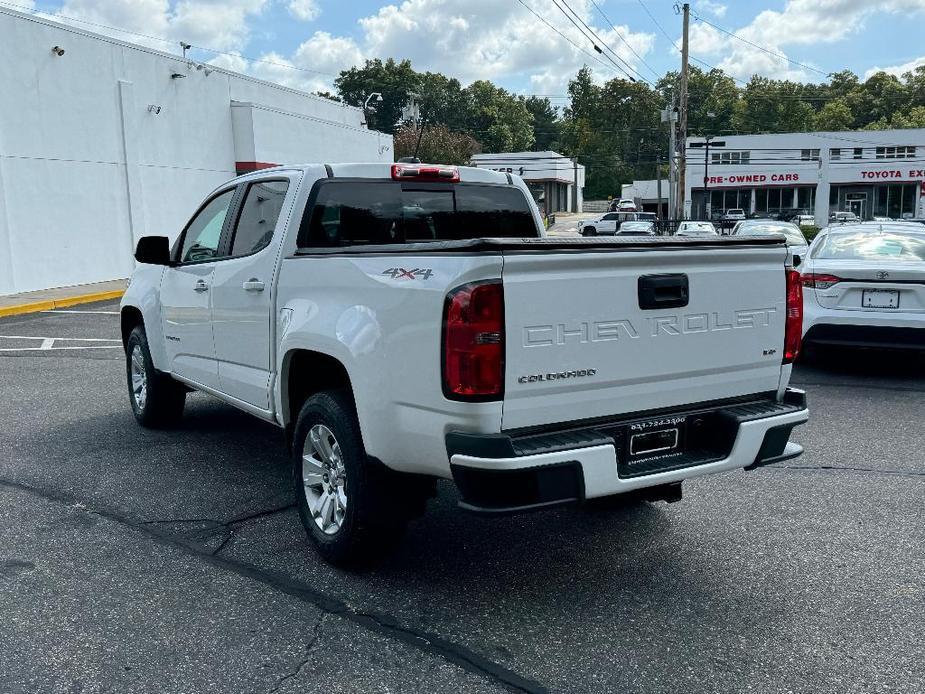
{"type": "Point", "coordinates": [880, 298]}
{"type": "Point", "coordinates": [655, 442]}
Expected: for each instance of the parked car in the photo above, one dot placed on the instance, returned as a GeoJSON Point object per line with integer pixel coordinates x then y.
{"type": "Point", "coordinates": [636, 229]}
{"type": "Point", "coordinates": [866, 288]}
{"type": "Point", "coordinates": [623, 205]}
{"type": "Point", "coordinates": [605, 225]}
{"type": "Point", "coordinates": [696, 229]}
{"type": "Point", "coordinates": [799, 247]}
{"type": "Point", "coordinates": [733, 215]}
{"type": "Point", "coordinates": [843, 218]}
{"type": "Point", "coordinates": [406, 323]}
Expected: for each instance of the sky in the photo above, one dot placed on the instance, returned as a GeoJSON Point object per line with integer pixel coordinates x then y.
{"type": "Point", "coordinates": [305, 43]}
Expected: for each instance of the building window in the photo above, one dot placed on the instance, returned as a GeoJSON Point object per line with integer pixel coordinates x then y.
{"type": "Point", "coordinates": [809, 155]}
{"type": "Point", "coordinates": [806, 199]}
{"type": "Point", "coordinates": [858, 152]}
{"type": "Point", "coordinates": [835, 153]}
{"type": "Point", "coordinates": [895, 152]}
{"type": "Point", "coordinates": [733, 158]}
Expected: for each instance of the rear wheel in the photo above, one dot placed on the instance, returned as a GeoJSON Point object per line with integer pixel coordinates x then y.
{"type": "Point", "coordinates": [157, 400]}
{"type": "Point", "coordinates": [352, 508]}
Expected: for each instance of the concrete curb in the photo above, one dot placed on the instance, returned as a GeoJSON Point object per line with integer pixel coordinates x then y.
{"type": "Point", "coordinates": [50, 304]}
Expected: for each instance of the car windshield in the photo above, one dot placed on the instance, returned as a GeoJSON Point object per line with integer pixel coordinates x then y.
{"type": "Point", "coordinates": [872, 246]}
{"type": "Point", "coordinates": [794, 236]}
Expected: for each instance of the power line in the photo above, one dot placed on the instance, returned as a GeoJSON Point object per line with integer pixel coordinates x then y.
{"type": "Point", "coordinates": [755, 45]}
{"type": "Point", "coordinates": [596, 47]}
{"type": "Point", "coordinates": [598, 38]}
{"type": "Point", "coordinates": [543, 20]}
{"type": "Point", "coordinates": [627, 43]}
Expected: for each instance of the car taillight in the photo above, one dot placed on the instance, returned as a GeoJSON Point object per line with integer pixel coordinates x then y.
{"type": "Point", "coordinates": [793, 330]}
{"type": "Point", "coordinates": [473, 342]}
{"type": "Point", "coordinates": [417, 172]}
{"type": "Point", "coordinates": [819, 281]}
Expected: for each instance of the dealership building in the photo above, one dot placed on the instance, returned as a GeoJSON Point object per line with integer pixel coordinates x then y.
{"type": "Point", "coordinates": [873, 173]}
{"type": "Point", "coordinates": [555, 180]}
{"type": "Point", "coordinates": [103, 141]}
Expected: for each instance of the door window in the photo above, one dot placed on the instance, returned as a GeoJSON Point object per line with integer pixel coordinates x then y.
{"type": "Point", "coordinates": [203, 234]}
{"type": "Point", "coordinates": [259, 214]}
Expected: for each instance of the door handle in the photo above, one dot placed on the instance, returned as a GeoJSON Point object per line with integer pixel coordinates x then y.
{"type": "Point", "coordinates": [254, 285]}
{"type": "Point", "coordinates": [200, 286]}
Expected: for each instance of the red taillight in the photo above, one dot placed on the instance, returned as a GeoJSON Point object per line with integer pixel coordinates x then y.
{"type": "Point", "coordinates": [418, 172]}
{"type": "Point", "coordinates": [473, 342]}
{"type": "Point", "coordinates": [793, 331]}
{"type": "Point", "coordinates": [819, 281]}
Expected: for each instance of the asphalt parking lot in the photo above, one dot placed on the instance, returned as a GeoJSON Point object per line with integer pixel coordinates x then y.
{"type": "Point", "coordinates": [173, 561]}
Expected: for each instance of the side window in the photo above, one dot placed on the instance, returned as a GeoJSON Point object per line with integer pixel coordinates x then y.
{"type": "Point", "coordinates": [259, 214]}
{"type": "Point", "coordinates": [205, 231]}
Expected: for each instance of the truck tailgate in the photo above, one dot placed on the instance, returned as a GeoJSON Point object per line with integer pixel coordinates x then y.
{"type": "Point", "coordinates": [609, 331]}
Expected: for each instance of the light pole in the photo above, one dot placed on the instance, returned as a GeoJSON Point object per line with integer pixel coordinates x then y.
{"type": "Point", "coordinates": [709, 139]}
{"type": "Point", "coordinates": [371, 109]}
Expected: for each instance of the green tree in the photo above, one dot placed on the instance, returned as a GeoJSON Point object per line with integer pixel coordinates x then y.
{"type": "Point", "coordinates": [712, 98]}
{"type": "Point", "coordinates": [835, 115]}
{"type": "Point", "coordinates": [394, 80]}
{"type": "Point", "coordinates": [499, 120]}
{"type": "Point", "coordinates": [768, 105]}
{"type": "Point", "coordinates": [547, 127]}
{"type": "Point", "coordinates": [877, 99]}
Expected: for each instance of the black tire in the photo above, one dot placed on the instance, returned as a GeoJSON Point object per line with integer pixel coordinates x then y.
{"type": "Point", "coordinates": [589, 231]}
{"type": "Point", "coordinates": [164, 398]}
{"type": "Point", "coordinates": [376, 508]}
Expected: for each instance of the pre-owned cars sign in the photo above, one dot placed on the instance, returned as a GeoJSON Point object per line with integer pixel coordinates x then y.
{"type": "Point", "coordinates": [754, 178]}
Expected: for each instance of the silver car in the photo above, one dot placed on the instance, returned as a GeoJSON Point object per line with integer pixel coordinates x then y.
{"type": "Point", "coordinates": [761, 227]}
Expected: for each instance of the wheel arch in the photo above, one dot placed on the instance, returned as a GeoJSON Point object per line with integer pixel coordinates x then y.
{"type": "Point", "coordinates": [305, 372]}
{"type": "Point", "coordinates": [130, 318]}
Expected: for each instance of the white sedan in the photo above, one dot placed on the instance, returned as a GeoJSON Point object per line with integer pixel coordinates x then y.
{"type": "Point", "coordinates": [865, 287]}
{"type": "Point", "coordinates": [696, 229]}
{"type": "Point", "coordinates": [796, 242]}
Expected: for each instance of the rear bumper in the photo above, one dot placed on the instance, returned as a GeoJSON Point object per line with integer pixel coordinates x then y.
{"type": "Point", "coordinates": [879, 336]}
{"type": "Point", "coordinates": [502, 473]}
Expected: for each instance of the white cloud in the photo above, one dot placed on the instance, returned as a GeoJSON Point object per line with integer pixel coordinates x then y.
{"type": "Point", "coordinates": [705, 40]}
{"type": "Point", "coordinates": [714, 8]}
{"type": "Point", "coordinates": [898, 70]}
{"type": "Point", "coordinates": [488, 39]}
{"type": "Point", "coordinates": [306, 10]}
{"type": "Point", "coordinates": [218, 24]}
{"type": "Point", "coordinates": [800, 23]}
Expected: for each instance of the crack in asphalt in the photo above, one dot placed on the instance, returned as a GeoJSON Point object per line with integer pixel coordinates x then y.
{"type": "Point", "coordinates": [308, 656]}
{"type": "Point", "coordinates": [906, 473]}
{"type": "Point", "coordinates": [230, 526]}
{"type": "Point", "coordinates": [386, 625]}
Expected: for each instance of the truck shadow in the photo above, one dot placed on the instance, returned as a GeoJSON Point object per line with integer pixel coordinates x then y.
{"type": "Point", "coordinates": [838, 364]}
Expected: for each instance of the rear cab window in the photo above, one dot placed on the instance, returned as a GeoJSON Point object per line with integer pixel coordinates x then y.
{"type": "Point", "coordinates": [372, 212]}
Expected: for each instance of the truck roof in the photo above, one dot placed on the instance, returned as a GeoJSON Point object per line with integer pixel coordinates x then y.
{"type": "Point", "coordinates": [383, 170]}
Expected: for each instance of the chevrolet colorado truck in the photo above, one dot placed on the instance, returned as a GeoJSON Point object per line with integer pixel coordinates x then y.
{"type": "Point", "coordinates": [408, 323]}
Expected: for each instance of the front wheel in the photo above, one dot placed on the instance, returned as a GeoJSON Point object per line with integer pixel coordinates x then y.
{"type": "Point", "coordinates": [351, 507]}
{"type": "Point", "coordinates": [157, 400]}
{"type": "Point", "coordinates": [589, 231]}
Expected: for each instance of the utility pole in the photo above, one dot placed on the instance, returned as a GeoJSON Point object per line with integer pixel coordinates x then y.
{"type": "Point", "coordinates": [682, 129]}
{"type": "Point", "coordinates": [670, 116]}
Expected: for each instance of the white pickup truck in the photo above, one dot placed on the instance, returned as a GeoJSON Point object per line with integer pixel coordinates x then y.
{"type": "Point", "coordinates": [408, 323]}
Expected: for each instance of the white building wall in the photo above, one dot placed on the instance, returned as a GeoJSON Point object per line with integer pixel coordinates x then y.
{"type": "Point", "coordinates": [775, 161]}
{"type": "Point", "coordinates": [86, 168]}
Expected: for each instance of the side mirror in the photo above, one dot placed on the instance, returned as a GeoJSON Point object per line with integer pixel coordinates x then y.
{"type": "Point", "coordinates": [153, 250]}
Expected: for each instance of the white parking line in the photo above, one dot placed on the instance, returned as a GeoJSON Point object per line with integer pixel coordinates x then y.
{"type": "Point", "coordinates": [55, 349]}
{"type": "Point", "coordinates": [47, 344]}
